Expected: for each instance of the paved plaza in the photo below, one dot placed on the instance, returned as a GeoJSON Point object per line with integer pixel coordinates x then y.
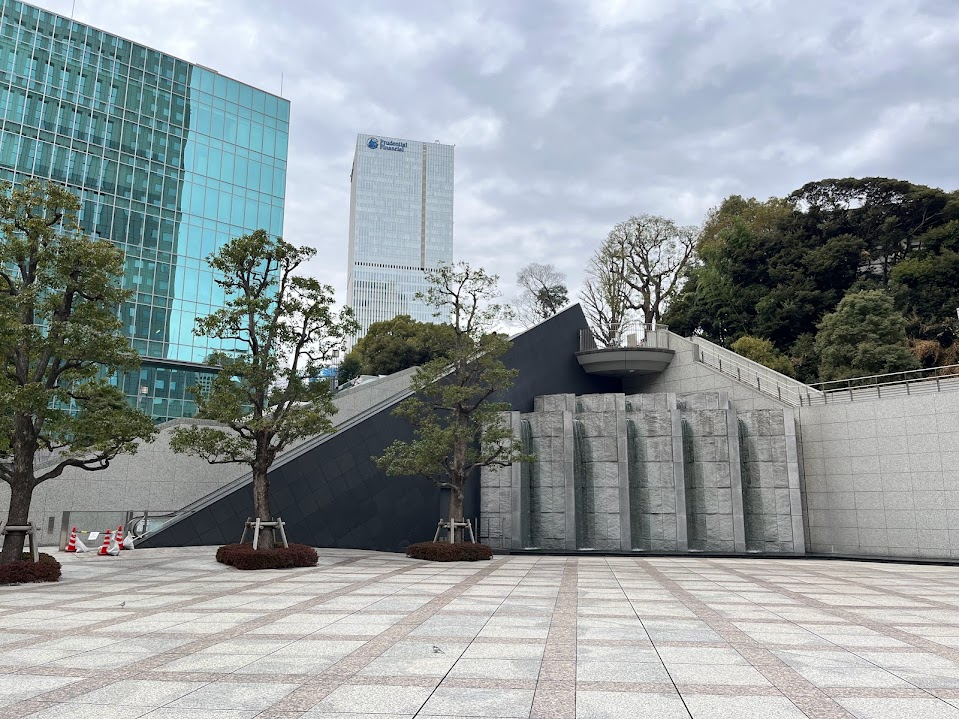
{"type": "Point", "coordinates": [170, 634]}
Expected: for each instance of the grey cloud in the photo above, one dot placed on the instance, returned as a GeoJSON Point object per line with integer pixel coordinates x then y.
{"type": "Point", "coordinates": [569, 116]}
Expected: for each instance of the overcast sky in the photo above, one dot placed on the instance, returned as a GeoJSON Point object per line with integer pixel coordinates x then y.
{"type": "Point", "coordinates": [571, 116]}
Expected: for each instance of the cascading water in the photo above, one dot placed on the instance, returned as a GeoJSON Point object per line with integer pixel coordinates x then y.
{"type": "Point", "coordinates": [753, 543]}
{"type": "Point", "coordinates": [637, 480]}
{"type": "Point", "coordinates": [695, 516]}
{"type": "Point", "coordinates": [583, 461]}
{"type": "Point", "coordinates": [583, 486]}
{"type": "Point", "coordinates": [530, 491]}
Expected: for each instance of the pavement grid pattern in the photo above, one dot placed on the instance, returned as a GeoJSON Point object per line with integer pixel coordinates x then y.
{"type": "Point", "coordinates": [171, 634]}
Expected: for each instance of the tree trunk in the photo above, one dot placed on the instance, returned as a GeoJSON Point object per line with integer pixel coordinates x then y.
{"type": "Point", "coordinates": [21, 492]}
{"type": "Point", "coordinates": [456, 510]}
{"type": "Point", "coordinates": [24, 445]}
{"type": "Point", "coordinates": [261, 504]}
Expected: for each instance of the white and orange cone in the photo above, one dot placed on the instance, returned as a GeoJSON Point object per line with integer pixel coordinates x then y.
{"type": "Point", "coordinates": [118, 537]}
{"type": "Point", "coordinates": [104, 548]}
{"type": "Point", "coordinates": [72, 544]}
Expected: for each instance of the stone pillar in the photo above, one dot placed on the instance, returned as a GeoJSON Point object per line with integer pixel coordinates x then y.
{"type": "Point", "coordinates": [792, 472]}
{"type": "Point", "coordinates": [679, 481]}
{"type": "Point", "coordinates": [736, 481]}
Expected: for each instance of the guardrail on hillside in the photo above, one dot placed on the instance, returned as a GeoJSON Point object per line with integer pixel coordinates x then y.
{"type": "Point", "coordinates": [786, 390]}
{"type": "Point", "coordinates": [857, 389]}
{"type": "Point", "coordinates": [891, 384]}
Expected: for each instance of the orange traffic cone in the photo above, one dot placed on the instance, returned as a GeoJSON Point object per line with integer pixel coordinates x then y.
{"type": "Point", "coordinates": [118, 538]}
{"type": "Point", "coordinates": [72, 544]}
{"type": "Point", "coordinates": [105, 546]}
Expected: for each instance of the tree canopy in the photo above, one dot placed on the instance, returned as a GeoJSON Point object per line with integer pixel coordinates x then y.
{"type": "Point", "coordinates": [775, 268]}
{"type": "Point", "coordinates": [763, 352]}
{"type": "Point", "coordinates": [59, 346]}
{"type": "Point", "coordinates": [397, 344]}
{"type": "Point", "coordinates": [864, 336]}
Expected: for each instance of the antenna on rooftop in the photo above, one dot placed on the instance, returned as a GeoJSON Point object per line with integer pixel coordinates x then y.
{"type": "Point", "coordinates": [281, 82]}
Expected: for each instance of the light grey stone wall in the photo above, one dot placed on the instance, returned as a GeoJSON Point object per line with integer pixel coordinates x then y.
{"type": "Point", "coordinates": [497, 503]}
{"type": "Point", "coordinates": [770, 488]}
{"type": "Point", "coordinates": [153, 479]}
{"type": "Point", "coordinates": [647, 473]}
{"type": "Point", "coordinates": [709, 494]}
{"type": "Point", "coordinates": [157, 480]}
{"type": "Point", "coordinates": [356, 400]}
{"type": "Point", "coordinates": [686, 375]}
{"type": "Point", "coordinates": [551, 478]}
{"type": "Point", "coordinates": [882, 477]}
{"type": "Point", "coordinates": [652, 490]}
{"type": "Point", "coordinates": [598, 471]}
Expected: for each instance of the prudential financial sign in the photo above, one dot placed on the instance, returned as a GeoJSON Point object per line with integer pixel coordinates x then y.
{"type": "Point", "coordinates": [393, 145]}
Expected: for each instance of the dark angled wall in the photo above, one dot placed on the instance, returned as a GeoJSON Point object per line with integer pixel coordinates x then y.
{"type": "Point", "coordinates": [334, 496]}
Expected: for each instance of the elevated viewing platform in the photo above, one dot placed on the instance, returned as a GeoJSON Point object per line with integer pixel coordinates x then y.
{"type": "Point", "coordinates": [635, 349]}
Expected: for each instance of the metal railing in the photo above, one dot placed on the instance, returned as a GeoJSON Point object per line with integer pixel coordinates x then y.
{"type": "Point", "coordinates": [891, 384]}
{"type": "Point", "coordinates": [796, 394]}
{"type": "Point", "coordinates": [769, 382]}
{"type": "Point", "coordinates": [633, 334]}
{"type": "Point", "coordinates": [135, 521]}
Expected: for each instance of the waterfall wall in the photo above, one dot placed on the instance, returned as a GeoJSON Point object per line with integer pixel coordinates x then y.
{"type": "Point", "coordinates": [649, 472]}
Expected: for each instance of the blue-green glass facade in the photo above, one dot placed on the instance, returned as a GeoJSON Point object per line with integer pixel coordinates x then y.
{"type": "Point", "coordinates": [171, 160]}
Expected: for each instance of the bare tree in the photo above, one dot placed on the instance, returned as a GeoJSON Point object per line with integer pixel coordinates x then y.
{"type": "Point", "coordinates": [606, 294]}
{"type": "Point", "coordinates": [543, 293]}
{"type": "Point", "coordinates": [658, 252]}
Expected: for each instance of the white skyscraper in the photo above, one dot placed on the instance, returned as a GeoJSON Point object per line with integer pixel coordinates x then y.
{"type": "Point", "coordinates": [401, 226]}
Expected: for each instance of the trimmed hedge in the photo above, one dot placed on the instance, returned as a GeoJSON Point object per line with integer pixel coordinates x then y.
{"type": "Point", "coordinates": [46, 570]}
{"type": "Point", "coordinates": [446, 552]}
{"type": "Point", "coordinates": [242, 556]}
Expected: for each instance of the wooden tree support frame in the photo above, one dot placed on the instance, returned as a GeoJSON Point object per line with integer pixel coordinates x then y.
{"type": "Point", "coordinates": [258, 524]}
{"type": "Point", "coordinates": [451, 526]}
{"type": "Point", "coordinates": [27, 529]}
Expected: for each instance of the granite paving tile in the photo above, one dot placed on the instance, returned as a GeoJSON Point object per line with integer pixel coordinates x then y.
{"type": "Point", "coordinates": [458, 701]}
{"type": "Point", "coordinates": [899, 708]}
{"type": "Point", "coordinates": [530, 636]}
{"type": "Point", "coordinates": [617, 705]}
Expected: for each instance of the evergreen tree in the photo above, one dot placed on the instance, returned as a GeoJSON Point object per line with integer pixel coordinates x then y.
{"type": "Point", "coordinates": [458, 424]}
{"type": "Point", "coordinates": [864, 336]}
{"type": "Point", "coordinates": [59, 342]}
{"type": "Point", "coordinates": [269, 392]}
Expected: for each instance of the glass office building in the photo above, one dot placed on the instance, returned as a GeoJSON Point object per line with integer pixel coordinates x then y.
{"type": "Point", "coordinates": [401, 226]}
{"type": "Point", "coordinates": [170, 160]}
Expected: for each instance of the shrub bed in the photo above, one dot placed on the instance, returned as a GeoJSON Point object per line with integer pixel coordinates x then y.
{"type": "Point", "coordinates": [446, 552]}
{"type": "Point", "coordinates": [242, 556]}
{"type": "Point", "coordinates": [46, 570]}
